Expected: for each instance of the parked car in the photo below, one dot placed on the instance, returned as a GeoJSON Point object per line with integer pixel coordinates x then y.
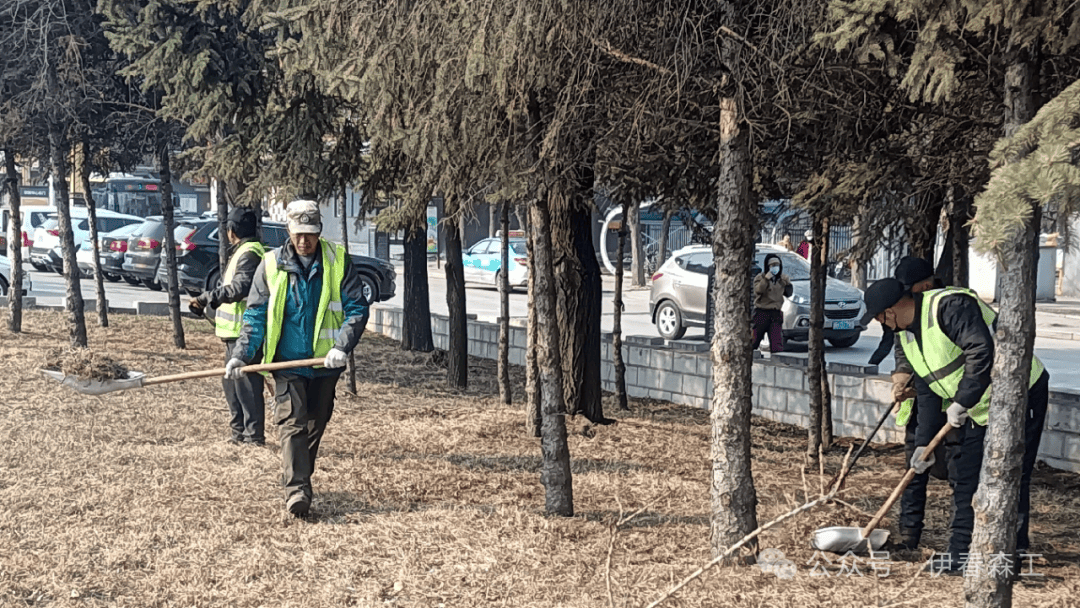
{"type": "Point", "coordinates": [45, 252]}
{"type": "Point", "coordinates": [483, 263]}
{"type": "Point", "coordinates": [111, 247]}
{"type": "Point", "coordinates": [32, 217]}
{"type": "Point", "coordinates": [198, 269]}
{"type": "Point", "coordinates": [5, 277]}
{"type": "Point", "coordinates": [678, 296]}
{"type": "Point", "coordinates": [144, 252]}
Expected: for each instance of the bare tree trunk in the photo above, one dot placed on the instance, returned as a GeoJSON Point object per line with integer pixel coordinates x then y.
{"type": "Point", "coordinates": [616, 330]}
{"type": "Point", "coordinates": [533, 417]}
{"type": "Point", "coordinates": [734, 500]}
{"type": "Point", "coordinates": [505, 391]}
{"type": "Point", "coordinates": [857, 262]}
{"type": "Point", "coordinates": [922, 227]}
{"type": "Point", "coordinates": [491, 221]}
{"type": "Point", "coordinates": [172, 283]}
{"type": "Point", "coordinates": [91, 213]}
{"type": "Point", "coordinates": [345, 244]}
{"type": "Point", "coordinates": [416, 323]}
{"type": "Point", "coordinates": [555, 471]}
{"type": "Point", "coordinates": [637, 252]}
{"type": "Point", "coordinates": [816, 343]}
{"type": "Point", "coordinates": [665, 227]}
{"type": "Point", "coordinates": [11, 190]}
{"type": "Point", "coordinates": [579, 301]}
{"type": "Point", "coordinates": [821, 249]}
{"type": "Point", "coordinates": [58, 151]}
{"type": "Point", "coordinates": [221, 202]}
{"type": "Point", "coordinates": [997, 498]}
{"type": "Point", "coordinates": [457, 370]}
{"type": "Point", "coordinates": [961, 215]}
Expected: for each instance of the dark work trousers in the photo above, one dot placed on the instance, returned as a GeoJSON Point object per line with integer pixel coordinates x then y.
{"type": "Point", "coordinates": [965, 465]}
{"type": "Point", "coordinates": [913, 501]}
{"type": "Point", "coordinates": [771, 322]}
{"type": "Point", "coordinates": [247, 409]}
{"type": "Point", "coordinates": [302, 408]}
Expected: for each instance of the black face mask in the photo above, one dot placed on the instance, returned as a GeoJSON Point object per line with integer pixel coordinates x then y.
{"type": "Point", "coordinates": [887, 341]}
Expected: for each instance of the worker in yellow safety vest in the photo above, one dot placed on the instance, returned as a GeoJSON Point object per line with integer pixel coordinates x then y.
{"type": "Point", "coordinates": [306, 302]}
{"type": "Point", "coordinates": [916, 275]}
{"type": "Point", "coordinates": [947, 337]}
{"type": "Point", "coordinates": [247, 413]}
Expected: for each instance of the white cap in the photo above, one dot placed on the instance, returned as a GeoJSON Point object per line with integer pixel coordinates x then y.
{"type": "Point", "coordinates": [809, 234]}
{"type": "Point", "coordinates": [304, 217]}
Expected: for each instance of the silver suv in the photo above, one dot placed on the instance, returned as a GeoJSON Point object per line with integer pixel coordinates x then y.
{"type": "Point", "coordinates": [678, 297]}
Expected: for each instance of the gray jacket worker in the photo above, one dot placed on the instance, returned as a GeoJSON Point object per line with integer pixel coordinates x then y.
{"type": "Point", "coordinates": [306, 301]}
{"type": "Point", "coordinates": [247, 413]}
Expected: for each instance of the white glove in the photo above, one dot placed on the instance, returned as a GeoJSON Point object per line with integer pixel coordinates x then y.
{"type": "Point", "coordinates": [957, 415]}
{"type": "Point", "coordinates": [921, 466]}
{"type": "Point", "coordinates": [234, 369]}
{"type": "Point", "coordinates": [335, 358]}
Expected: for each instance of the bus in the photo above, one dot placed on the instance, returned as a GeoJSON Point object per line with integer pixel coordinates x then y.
{"type": "Point", "coordinates": [139, 196]}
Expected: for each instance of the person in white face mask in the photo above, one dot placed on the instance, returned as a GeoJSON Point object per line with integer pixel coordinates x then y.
{"type": "Point", "coordinates": [770, 289]}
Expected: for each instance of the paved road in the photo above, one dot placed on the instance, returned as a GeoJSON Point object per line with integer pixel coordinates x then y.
{"type": "Point", "coordinates": [1061, 356]}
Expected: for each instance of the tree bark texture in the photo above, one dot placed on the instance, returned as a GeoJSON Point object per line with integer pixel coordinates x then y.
{"type": "Point", "coordinates": [922, 226]}
{"type": "Point", "coordinates": [416, 322]}
{"type": "Point", "coordinates": [820, 432]}
{"type": "Point", "coordinates": [221, 203]}
{"type": "Point", "coordinates": [58, 151]}
{"type": "Point", "coordinates": [91, 213]}
{"type": "Point", "coordinates": [579, 300]}
{"type": "Point", "coordinates": [555, 471]}
{"type": "Point", "coordinates": [662, 246]}
{"type": "Point", "coordinates": [637, 251]}
{"type": "Point", "coordinates": [997, 498]}
{"type": "Point", "coordinates": [857, 262]}
{"type": "Point", "coordinates": [616, 329]}
{"type": "Point", "coordinates": [533, 417]}
{"type": "Point", "coordinates": [961, 215]}
{"type": "Point", "coordinates": [345, 244]}
{"type": "Point", "coordinates": [457, 368]}
{"type": "Point", "coordinates": [169, 246]}
{"type": "Point", "coordinates": [505, 390]}
{"type": "Point", "coordinates": [11, 192]}
{"type": "Point", "coordinates": [734, 500]}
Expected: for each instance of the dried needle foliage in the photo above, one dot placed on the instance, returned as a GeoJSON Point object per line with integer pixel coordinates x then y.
{"type": "Point", "coordinates": [425, 496]}
{"type": "Point", "coordinates": [84, 364]}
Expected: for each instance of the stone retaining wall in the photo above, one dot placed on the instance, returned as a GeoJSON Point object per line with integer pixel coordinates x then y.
{"type": "Point", "coordinates": [681, 372]}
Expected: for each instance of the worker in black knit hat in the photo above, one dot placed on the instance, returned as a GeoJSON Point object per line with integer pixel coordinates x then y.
{"type": "Point", "coordinates": [247, 408]}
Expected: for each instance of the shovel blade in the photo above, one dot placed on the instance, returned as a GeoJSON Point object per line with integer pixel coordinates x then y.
{"type": "Point", "coordinates": [841, 539]}
{"type": "Point", "coordinates": [97, 387]}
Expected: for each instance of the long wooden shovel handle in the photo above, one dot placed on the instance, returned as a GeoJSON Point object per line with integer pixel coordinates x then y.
{"type": "Point", "coordinates": [247, 369]}
{"type": "Point", "coordinates": [929, 451]}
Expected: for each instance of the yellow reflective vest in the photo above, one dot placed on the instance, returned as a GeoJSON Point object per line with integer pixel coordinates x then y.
{"type": "Point", "coordinates": [939, 361]}
{"type": "Point", "coordinates": [230, 317]}
{"type": "Point", "coordinates": [330, 315]}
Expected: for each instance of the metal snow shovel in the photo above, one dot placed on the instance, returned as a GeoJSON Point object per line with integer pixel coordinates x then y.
{"type": "Point", "coordinates": [139, 379]}
{"type": "Point", "coordinates": [841, 539]}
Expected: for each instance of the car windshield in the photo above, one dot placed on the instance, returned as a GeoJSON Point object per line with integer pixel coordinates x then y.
{"type": "Point", "coordinates": [519, 247]}
{"type": "Point", "coordinates": [50, 224]}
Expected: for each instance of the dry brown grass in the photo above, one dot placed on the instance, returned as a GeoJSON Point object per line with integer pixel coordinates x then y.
{"type": "Point", "coordinates": [424, 497]}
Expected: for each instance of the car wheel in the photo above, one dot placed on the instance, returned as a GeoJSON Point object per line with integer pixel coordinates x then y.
{"type": "Point", "coordinates": [110, 277]}
{"type": "Point", "coordinates": [132, 280]}
{"type": "Point", "coordinates": [3, 287]}
{"type": "Point", "coordinates": [152, 284]}
{"type": "Point", "coordinates": [669, 321]}
{"type": "Point", "coordinates": [213, 280]}
{"type": "Point", "coordinates": [369, 288]}
{"type": "Point", "coordinates": [847, 342]}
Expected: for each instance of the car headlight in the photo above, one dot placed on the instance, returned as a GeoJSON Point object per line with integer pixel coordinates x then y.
{"type": "Point", "coordinates": [797, 299]}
